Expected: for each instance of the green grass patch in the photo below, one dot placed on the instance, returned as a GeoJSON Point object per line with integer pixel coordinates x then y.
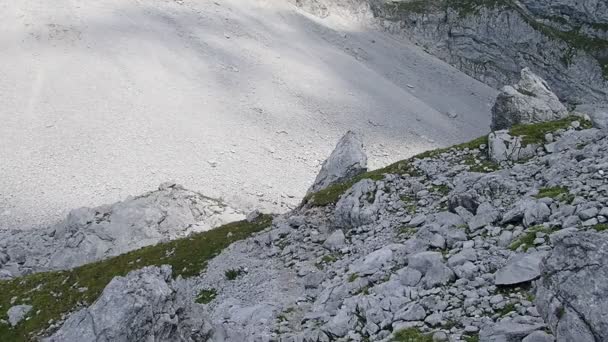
{"type": "Point", "coordinates": [507, 309]}
{"type": "Point", "coordinates": [530, 297]}
{"type": "Point", "coordinates": [442, 189]}
{"type": "Point", "coordinates": [233, 273]}
{"type": "Point", "coordinates": [406, 231]}
{"type": "Point", "coordinates": [352, 277]}
{"type": "Point", "coordinates": [470, 145]}
{"type": "Point", "coordinates": [471, 337]}
{"type": "Point", "coordinates": [601, 227]}
{"type": "Point", "coordinates": [332, 193]}
{"type": "Point", "coordinates": [560, 193]}
{"type": "Point", "coordinates": [326, 259]}
{"type": "Point", "coordinates": [480, 165]}
{"type": "Point", "coordinates": [206, 296]}
{"type": "Point", "coordinates": [410, 204]}
{"type": "Point", "coordinates": [57, 293]}
{"type": "Point", "coordinates": [526, 240]}
{"type": "Point", "coordinates": [411, 335]}
{"type": "Point", "coordinates": [535, 133]}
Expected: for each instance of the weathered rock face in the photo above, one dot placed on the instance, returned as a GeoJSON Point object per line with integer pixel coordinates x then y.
{"type": "Point", "coordinates": [520, 269]}
{"type": "Point", "coordinates": [145, 305]}
{"type": "Point", "coordinates": [564, 42]}
{"type": "Point", "coordinates": [504, 147]}
{"type": "Point", "coordinates": [91, 234]}
{"type": "Point", "coordinates": [358, 206]}
{"type": "Point", "coordinates": [346, 161]}
{"type": "Point", "coordinates": [529, 101]}
{"type": "Point", "coordinates": [492, 41]}
{"type": "Point", "coordinates": [572, 293]}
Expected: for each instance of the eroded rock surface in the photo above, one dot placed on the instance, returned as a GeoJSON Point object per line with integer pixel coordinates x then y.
{"type": "Point", "coordinates": [529, 101]}
{"type": "Point", "coordinates": [145, 305]}
{"type": "Point", "coordinates": [346, 161]}
{"type": "Point", "coordinates": [91, 234]}
{"type": "Point", "coordinates": [572, 292]}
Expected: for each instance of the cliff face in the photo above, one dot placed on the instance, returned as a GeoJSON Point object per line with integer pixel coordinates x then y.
{"type": "Point", "coordinates": [492, 40]}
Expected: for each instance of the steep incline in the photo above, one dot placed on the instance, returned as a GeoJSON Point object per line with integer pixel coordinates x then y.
{"type": "Point", "coordinates": [235, 99]}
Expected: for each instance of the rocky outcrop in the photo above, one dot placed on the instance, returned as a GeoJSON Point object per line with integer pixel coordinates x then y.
{"type": "Point", "coordinates": [357, 206]}
{"type": "Point", "coordinates": [145, 305]}
{"type": "Point", "coordinates": [493, 40]}
{"type": "Point", "coordinates": [502, 146]}
{"type": "Point", "coordinates": [91, 234]}
{"type": "Point", "coordinates": [572, 293]}
{"type": "Point", "coordinates": [529, 101]}
{"type": "Point", "coordinates": [346, 161]}
{"type": "Point", "coordinates": [565, 43]}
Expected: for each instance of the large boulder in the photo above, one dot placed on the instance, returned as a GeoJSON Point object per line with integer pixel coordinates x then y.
{"type": "Point", "coordinates": [521, 268]}
{"type": "Point", "coordinates": [358, 206]}
{"type": "Point", "coordinates": [145, 305]}
{"type": "Point", "coordinates": [346, 161]}
{"type": "Point", "coordinates": [598, 114]}
{"type": "Point", "coordinates": [572, 294]}
{"type": "Point", "coordinates": [529, 101]}
{"type": "Point", "coordinates": [507, 331]}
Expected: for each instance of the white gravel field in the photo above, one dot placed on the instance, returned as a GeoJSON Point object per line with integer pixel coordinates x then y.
{"type": "Point", "coordinates": [240, 100]}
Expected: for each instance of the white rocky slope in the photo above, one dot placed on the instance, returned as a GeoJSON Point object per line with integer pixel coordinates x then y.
{"type": "Point", "coordinates": [236, 99]}
{"type": "Point", "coordinates": [446, 246]}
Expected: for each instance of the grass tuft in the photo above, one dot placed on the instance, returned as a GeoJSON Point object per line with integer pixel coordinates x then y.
{"type": "Point", "coordinates": [507, 309]}
{"type": "Point", "coordinates": [471, 337]}
{"type": "Point", "coordinates": [233, 273]}
{"type": "Point", "coordinates": [601, 227]}
{"type": "Point", "coordinates": [526, 240]}
{"type": "Point", "coordinates": [411, 335]}
{"type": "Point", "coordinates": [560, 193]}
{"type": "Point", "coordinates": [206, 296]}
{"type": "Point", "coordinates": [535, 133]}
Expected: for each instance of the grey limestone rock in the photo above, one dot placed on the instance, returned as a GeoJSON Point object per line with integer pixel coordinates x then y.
{"type": "Point", "coordinates": [91, 234]}
{"type": "Point", "coordinates": [572, 293]}
{"type": "Point", "coordinates": [17, 313]}
{"type": "Point", "coordinates": [346, 161]}
{"type": "Point", "coordinates": [529, 101]}
{"type": "Point", "coordinates": [358, 206]}
{"type": "Point", "coordinates": [142, 306]}
{"type": "Point", "coordinates": [507, 331]}
{"type": "Point", "coordinates": [520, 269]}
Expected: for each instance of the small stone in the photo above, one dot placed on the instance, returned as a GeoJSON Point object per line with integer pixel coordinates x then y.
{"type": "Point", "coordinates": [440, 336]}
{"type": "Point", "coordinates": [588, 213]}
{"type": "Point", "coordinates": [17, 313]}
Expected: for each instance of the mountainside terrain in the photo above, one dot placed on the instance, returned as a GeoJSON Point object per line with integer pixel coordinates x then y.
{"type": "Point", "coordinates": [565, 42]}
{"type": "Point", "coordinates": [502, 238]}
{"type": "Point", "coordinates": [107, 99]}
